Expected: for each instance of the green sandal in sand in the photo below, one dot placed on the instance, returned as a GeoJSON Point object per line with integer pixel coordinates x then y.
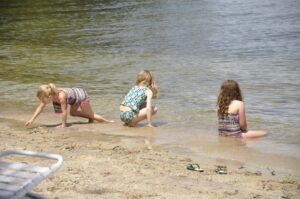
{"type": "Point", "coordinates": [194, 167]}
{"type": "Point", "coordinates": [221, 169]}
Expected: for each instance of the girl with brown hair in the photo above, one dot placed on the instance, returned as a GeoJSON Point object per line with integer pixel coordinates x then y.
{"type": "Point", "coordinates": [231, 112]}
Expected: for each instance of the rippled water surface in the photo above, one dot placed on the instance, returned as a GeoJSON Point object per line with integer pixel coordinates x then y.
{"type": "Point", "coordinates": [192, 46]}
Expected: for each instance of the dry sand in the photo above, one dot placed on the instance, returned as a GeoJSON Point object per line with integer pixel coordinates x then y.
{"type": "Point", "coordinates": [113, 161]}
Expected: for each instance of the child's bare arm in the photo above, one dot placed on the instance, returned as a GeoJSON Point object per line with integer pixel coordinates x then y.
{"type": "Point", "coordinates": [149, 94]}
{"type": "Point", "coordinates": [63, 103]}
{"type": "Point", "coordinates": [38, 110]}
{"type": "Point", "coordinates": [242, 117]}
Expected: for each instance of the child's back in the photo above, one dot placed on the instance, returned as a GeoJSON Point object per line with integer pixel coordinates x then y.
{"type": "Point", "coordinates": [231, 112]}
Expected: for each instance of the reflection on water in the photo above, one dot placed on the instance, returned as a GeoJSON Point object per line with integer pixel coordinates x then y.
{"type": "Point", "coordinates": [192, 46]}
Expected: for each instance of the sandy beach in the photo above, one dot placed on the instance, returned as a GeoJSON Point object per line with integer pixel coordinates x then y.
{"type": "Point", "coordinates": [113, 161]}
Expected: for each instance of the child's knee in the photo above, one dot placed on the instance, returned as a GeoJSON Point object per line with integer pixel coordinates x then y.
{"type": "Point", "coordinates": [155, 109]}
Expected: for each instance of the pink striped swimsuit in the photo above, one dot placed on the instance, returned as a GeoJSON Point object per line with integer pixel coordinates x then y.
{"type": "Point", "coordinates": [75, 96]}
{"type": "Point", "coordinates": [229, 125]}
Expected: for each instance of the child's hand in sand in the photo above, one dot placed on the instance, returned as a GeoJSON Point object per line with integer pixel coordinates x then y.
{"type": "Point", "coordinates": [61, 126]}
{"type": "Point", "coordinates": [28, 123]}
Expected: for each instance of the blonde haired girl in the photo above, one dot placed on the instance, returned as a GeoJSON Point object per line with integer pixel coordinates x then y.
{"type": "Point", "coordinates": [61, 97]}
{"type": "Point", "coordinates": [231, 112]}
{"type": "Point", "coordinates": [137, 104]}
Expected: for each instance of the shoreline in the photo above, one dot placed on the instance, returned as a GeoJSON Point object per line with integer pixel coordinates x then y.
{"type": "Point", "coordinates": [254, 154]}
{"type": "Point", "coordinates": [113, 161]}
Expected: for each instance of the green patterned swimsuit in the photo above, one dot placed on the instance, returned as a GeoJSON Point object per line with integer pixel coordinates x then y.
{"type": "Point", "coordinates": [135, 98]}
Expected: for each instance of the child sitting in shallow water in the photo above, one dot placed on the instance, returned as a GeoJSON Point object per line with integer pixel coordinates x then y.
{"type": "Point", "coordinates": [61, 97]}
{"type": "Point", "coordinates": [136, 105]}
{"type": "Point", "coordinates": [231, 112]}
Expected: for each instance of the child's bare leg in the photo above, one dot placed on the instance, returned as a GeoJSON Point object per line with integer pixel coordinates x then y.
{"type": "Point", "coordinates": [100, 118]}
{"type": "Point", "coordinates": [87, 110]}
{"type": "Point", "coordinates": [254, 134]}
{"type": "Point", "coordinates": [74, 112]}
{"type": "Point", "coordinates": [141, 116]}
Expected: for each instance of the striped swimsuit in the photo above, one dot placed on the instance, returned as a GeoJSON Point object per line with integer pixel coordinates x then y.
{"type": "Point", "coordinates": [75, 96]}
{"type": "Point", "coordinates": [229, 125]}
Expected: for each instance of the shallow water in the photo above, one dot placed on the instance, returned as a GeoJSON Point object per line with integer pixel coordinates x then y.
{"type": "Point", "coordinates": [192, 47]}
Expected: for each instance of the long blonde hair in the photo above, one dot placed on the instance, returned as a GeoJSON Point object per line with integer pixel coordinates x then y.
{"type": "Point", "coordinates": [46, 92]}
{"type": "Point", "coordinates": [229, 91]}
{"type": "Point", "coordinates": [146, 78]}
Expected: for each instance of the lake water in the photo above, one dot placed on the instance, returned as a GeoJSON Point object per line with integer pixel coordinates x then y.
{"type": "Point", "coordinates": [192, 46]}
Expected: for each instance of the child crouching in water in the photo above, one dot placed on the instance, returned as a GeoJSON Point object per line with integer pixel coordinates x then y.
{"type": "Point", "coordinates": [231, 112]}
{"type": "Point", "coordinates": [137, 104]}
{"type": "Point", "coordinates": [61, 97]}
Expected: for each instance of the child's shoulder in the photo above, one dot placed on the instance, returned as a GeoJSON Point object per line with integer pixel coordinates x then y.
{"type": "Point", "coordinates": [140, 87]}
{"type": "Point", "coordinates": [62, 93]}
{"type": "Point", "coordinates": [237, 103]}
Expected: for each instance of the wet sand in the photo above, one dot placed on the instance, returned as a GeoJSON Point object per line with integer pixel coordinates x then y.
{"type": "Point", "coordinates": [113, 161]}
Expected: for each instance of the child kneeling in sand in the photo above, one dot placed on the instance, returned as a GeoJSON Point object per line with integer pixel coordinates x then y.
{"type": "Point", "coordinates": [136, 105]}
{"type": "Point", "coordinates": [231, 112]}
{"type": "Point", "coordinates": [61, 97]}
